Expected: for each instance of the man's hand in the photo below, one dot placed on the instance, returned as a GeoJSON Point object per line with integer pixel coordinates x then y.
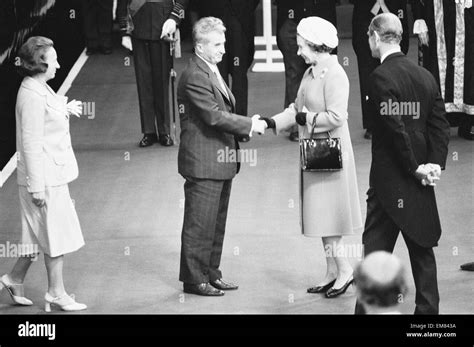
{"type": "Point", "coordinates": [426, 176]}
{"type": "Point", "coordinates": [38, 199]}
{"type": "Point", "coordinates": [169, 28]}
{"type": "Point", "coordinates": [127, 42]}
{"type": "Point", "coordinates": [74, 108]}
{"type": "Point", "coordinates": [258, 125]}
{"type": "Point", "coordinates": [434, 169]}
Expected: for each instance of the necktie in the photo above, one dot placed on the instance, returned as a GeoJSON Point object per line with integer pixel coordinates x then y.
{"type": "Point", "coordinates": [222, 83]}
{"type": "Point", "coordinates": [380, 4]}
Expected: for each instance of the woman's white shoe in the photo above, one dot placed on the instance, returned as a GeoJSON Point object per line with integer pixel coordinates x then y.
{"type": "Point", "coordinates": [64, 302]}
{"type": "Point", "coordinates": [17, 299]}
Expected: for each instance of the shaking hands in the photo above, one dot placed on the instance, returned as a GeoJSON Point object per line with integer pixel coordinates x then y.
{"type": "Point", "coordinates": [258, 125]}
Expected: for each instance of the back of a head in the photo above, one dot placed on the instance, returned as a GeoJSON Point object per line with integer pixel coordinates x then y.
{"type": "Point", "coordinates": [388, 26]}
{"type": "Point", "coordinates": [380, 280]}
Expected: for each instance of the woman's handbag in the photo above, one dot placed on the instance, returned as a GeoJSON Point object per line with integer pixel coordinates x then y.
{"type": "Point", "coordinates": [320, 154]}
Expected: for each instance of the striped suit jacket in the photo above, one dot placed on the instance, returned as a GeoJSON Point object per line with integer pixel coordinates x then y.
{"type": "Point", "coordinates": [208, 124]}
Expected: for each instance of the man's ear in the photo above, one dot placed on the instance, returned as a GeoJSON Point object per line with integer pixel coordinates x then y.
{"type": "Point", "coordinates": [198, 48]}
{"type": "Point", "coordinates": [377, 37]}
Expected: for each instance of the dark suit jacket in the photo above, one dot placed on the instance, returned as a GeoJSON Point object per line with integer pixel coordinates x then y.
{"type": "Point", "coordinates": [361, 18]}
{"type": "Point", "coordinates": [299, 9]}
{"type": "Point", "coordinates": [148, 20]}
{"type": "Point", "coordinates": [208, 125]}
{"type": "Point", "coordinates": [400, 143]}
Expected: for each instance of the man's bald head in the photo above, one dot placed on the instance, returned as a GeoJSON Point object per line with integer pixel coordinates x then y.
{"type": "Point", "coordinates": [380, 279]}
{"type": "Point", "coordinates": [388, 27]}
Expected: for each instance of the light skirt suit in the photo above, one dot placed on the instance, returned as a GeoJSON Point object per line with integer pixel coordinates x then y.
{"type": "Point", "coordinates": [329, 200]}
{"type": "Point", "coordinates": [46, 162]}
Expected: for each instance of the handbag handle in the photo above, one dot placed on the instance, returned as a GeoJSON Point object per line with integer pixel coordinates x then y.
{"type": "Point", "coordinates": [314, 126]}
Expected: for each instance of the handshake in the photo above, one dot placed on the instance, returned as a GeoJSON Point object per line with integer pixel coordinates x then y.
{"type": "Point", "coordinates": [428, 174]}
{"type": "Point", "coordinates": [259, 125]}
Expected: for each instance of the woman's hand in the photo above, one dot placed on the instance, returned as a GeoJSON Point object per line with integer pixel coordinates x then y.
{"type": "Point", "coordinates": [74, 107]}
{"type": "Point", "coordinates": [39, 199]}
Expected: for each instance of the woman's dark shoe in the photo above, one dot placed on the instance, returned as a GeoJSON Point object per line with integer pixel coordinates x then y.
{"type": "Point", "coordinates": [333, 292]}
{"type": "Point", "coordinates": [468, 267]}
{"type": "Point", "coordinates": [320, 289]}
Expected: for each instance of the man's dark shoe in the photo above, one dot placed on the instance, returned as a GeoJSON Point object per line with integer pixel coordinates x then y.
{"type": "Point", "coordinates": [91, 51]}
{"type": "Point", "coordinates": [203, 289]}
{"type": "Point", "coordinates": [165, 140]}
{"type": "Point", "coordinates": [466, 132]}
{"type": "Point", "coordinates": [294, 137]}
{"type": "Point", "coordinates": [223, 285]}
{"type": "Point", "coordinates": [368, 135]}
{"type": "Point", "coordinates": [148, 140]}
{"type": "Point", "coordinates": [106, 50]}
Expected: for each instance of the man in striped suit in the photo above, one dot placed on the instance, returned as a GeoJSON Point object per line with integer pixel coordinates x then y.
{"type": "Point", "coordinates": [209, 127]}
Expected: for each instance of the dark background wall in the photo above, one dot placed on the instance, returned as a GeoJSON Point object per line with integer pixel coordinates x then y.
{"type": "Point", "coordinates": [61, 21]}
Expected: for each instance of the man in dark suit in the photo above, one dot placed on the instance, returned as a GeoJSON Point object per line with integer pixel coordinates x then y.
{"type": "Point", "coordinates": [289, 14]}
{"type": "Point", "coordinates": [364, 11]}
{"type": "Point", "coordinates": [98, 18]}
{"type": "Point", "coordinates": [151, 25]}
{"type": "Point", "coordinates": [209, 127]}
{"type": "Point", "coordinates": [409, 149]}
{"type": "Point", "coordinates": [239, 18]}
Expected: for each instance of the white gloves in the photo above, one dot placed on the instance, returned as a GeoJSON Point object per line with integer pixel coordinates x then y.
{"type": "Point", "coordinates": [258, 125]}
{"type": "Point", "coordinates": [127, 42]}
{"type": "Point", "coordinates": [169, 28]}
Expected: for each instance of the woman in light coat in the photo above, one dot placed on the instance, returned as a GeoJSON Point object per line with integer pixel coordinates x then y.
{"type": "Point", "coordinates": [45, 165]}
{"type": "Point", "coordinates": [330, 200]}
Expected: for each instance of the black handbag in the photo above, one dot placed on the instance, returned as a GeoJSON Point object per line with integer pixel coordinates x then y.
{"type": "Point", "coordinates": [320, 154]}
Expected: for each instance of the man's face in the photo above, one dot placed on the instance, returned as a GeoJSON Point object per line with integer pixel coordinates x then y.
{"type": "Point", "coordinates": [213, 49]}
{"type": "Point", "coordinates": [373, 44]}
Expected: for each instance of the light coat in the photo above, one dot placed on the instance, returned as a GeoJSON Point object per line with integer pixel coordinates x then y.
{"type": "Point", "coordinates": [44, 152]}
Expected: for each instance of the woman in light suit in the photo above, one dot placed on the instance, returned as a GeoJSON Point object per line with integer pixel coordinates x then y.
{"type": "Point", "coordinates": [46, 164]}
{"type": "Point", "coordinates": [330, 200]}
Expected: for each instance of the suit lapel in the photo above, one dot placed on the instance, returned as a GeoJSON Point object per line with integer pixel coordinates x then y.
{"type": "Point", "coordinates": [199, 62]}
{"type": "Point", "coordinates": [231, 96]}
